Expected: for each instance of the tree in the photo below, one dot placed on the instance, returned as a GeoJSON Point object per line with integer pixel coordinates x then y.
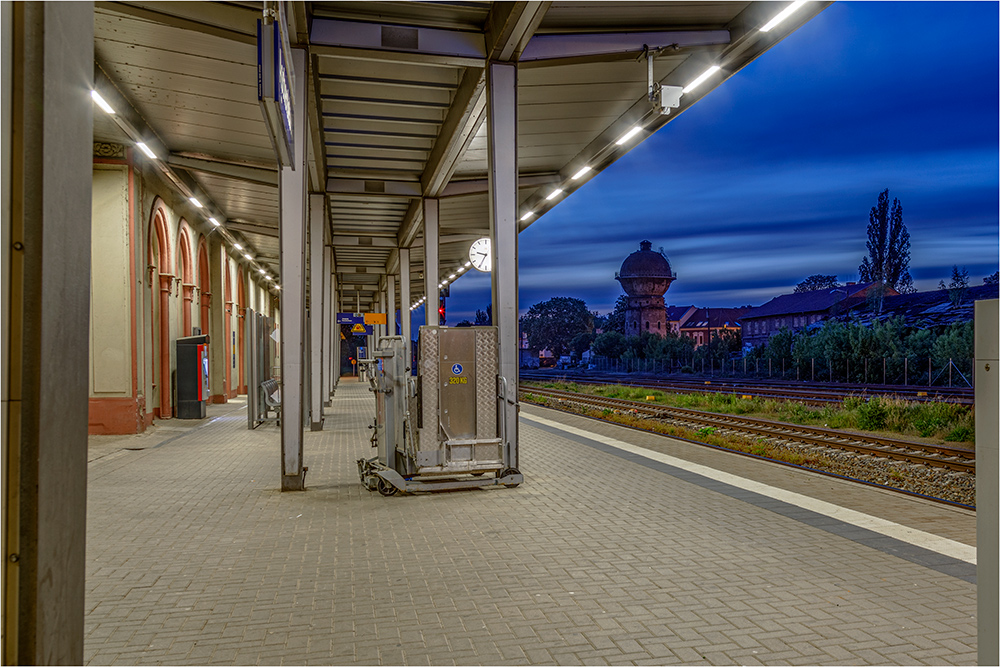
{"type": "Point", "coordinates": [888, 261]}
{"type": "Point", "coordinates": [615, 320]}
{"type": "Point", "coordinates": [484, 317]}
{"type": "Point", "coordinates": [552, 324]}
{"type": "Point", "coordinates": [992, 279]}
{"type": "Point", "coordinates": [815, 282]}
{"type": "Point", "coordinates": [959, 283]}
{"type": "Point", "coordinates": [610, 344]}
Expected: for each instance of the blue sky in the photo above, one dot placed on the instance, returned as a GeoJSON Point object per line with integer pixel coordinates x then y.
{"type": "Point", "coordinates": [770, 177]}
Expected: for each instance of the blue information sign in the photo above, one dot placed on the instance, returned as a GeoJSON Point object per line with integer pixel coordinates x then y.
{"type": "Point", "coordinates": [350, 318]}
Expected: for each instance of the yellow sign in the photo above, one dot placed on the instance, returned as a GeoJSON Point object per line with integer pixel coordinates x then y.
{"type": "Point", "coordinates": [375, 318]}
{"type": "Point", "coordinates": [342, 336]}
{"type": "Point", "coordinates": [458, 380]}
{"type": "Point", "coordinates": [358, 328]}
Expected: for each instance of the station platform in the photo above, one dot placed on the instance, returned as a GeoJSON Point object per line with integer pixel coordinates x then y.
{"type": "Point", "coordinates": [619, 548]}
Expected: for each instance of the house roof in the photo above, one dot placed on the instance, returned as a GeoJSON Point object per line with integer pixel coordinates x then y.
{"type": "Point", "coordinates": [675, 313]}
{"type": "Point", "coordinates": [715, 318]}
{"type": "Point", "coordinates": [807, 302]}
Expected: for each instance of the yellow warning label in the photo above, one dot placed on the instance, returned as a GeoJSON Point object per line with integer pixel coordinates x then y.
{"type": "Point", "coordinates": [458, 380]}
{"type": "Point", "coordinates": [358, 328]}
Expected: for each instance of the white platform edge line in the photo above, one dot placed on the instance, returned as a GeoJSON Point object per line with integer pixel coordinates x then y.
{"type": "Point", "coordinates": [936, 543]}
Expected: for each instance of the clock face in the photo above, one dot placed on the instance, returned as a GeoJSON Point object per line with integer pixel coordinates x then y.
{"type": "Point", "coordinates": [479, 255]}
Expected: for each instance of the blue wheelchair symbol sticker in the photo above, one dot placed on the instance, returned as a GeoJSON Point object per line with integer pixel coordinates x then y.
{"type": "Point", "coordinates": [457, 369]}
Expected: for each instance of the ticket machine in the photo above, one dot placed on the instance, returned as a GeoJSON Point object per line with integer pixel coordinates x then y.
{"type": "Point", "coordinates": [192, 377]}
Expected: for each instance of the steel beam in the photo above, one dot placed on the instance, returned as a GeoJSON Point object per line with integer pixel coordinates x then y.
{"type": "Point", "coordinates": [501, 83]}
{"type": "Point", "coordinates": [329, 325]}
{"type": "Point", "coordinates": [431, 221]}
{"type": "Point", "coordinates": [460, 48]}
{"type": "Point", "coordinates": [553, 47]}
{"type": "Point", "coordinates": [317, 315]}
{"type": "Point", "coordinates": [404, 300]}
{"type": "Point", "coordinates": [241, 172]}
{"type": "Point", "coordinates": [292, 196]}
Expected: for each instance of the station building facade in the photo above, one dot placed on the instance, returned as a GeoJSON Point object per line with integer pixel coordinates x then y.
{"type": "Point", "coordinates": [156, 277]}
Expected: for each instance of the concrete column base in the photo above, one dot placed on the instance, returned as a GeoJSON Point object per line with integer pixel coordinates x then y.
{"type": "Point", "coordinates": [293, 482]}
{"type": "Point", "coordinates": [316, 426]}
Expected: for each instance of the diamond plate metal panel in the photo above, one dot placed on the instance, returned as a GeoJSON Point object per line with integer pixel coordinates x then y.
{"type": "Point", "coordinates": [487, 368]}
{"type": "Point", "coordinates": [429, 344]}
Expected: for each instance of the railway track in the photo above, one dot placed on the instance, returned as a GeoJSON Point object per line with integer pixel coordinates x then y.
{"type": "Point", "coordinates": [809, 394]}
{"type": "Point", "coordinates": [960, 460]}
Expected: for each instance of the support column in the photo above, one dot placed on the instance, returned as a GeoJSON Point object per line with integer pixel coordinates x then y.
{"type": "Point", "coordinates": [987, 372]}
{"type": "Point", "coordinates": [48, 56]}
{"type": "Point", "coordinates": [292, 239]}
{"type": "Point", "coordinates": [404, 300]}
{"type": "Point", "coordinates": [390, 311]}
{"type": "Point", "coordinates": [431, 269]}
{"type": "Point", "coordinates": [335, 308]}
{"type": "Point", "coordinates": [166, 287]}
{"type": "Point", "coordinates": [317, 290]}
{"type": "Point", "coordinates": [501, 83]}
{"type": "Point", "coordinates": [329, 326]}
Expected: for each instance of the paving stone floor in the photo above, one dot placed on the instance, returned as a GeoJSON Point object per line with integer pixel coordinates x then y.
{"type": "Point", "coordinates": [195, 557]}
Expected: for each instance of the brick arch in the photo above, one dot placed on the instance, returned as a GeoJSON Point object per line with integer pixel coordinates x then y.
{"type": "Point", "coordinates": [241, 309]}
{"type": "Point", "coordinates": [204, 285]}
{"type": "Point", "coordinates": [186, 271]}
{"type": "Point", "coordinates": [228, 294]}
{"type": "Point", "coordinates": [161, 279]}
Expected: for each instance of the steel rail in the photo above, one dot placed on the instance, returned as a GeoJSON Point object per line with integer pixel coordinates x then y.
{"type": "Point", "coordinates": [808, 394]}
{"type": "Point", "coordinates": [913, 452]}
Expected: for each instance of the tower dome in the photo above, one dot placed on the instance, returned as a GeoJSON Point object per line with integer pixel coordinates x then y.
{"type": "Point", "coordinates": [645, 276]}
{"type": "Point", "coordinates": [645, 273]}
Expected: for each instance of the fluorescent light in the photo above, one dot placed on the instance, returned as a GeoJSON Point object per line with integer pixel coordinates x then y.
{"type": "Point", "coordinates": [701, 79]}
{"type": "Point", "coordinates": [247, 256]}
{"type": "Point", "coordinates": [194, 200]}
{"type": "Point", "coordinates": [527, 215]}
{"type": "Point", "coordinates": [267, 278]}
{"type": "Point", "coordinates": [460, 269]}
{"type": "Point", "coordinates": [784, 14]}
{"type": "Point", "coordinates": [467, 264]}
{"type": "Point", "coordinates": [555, 193]}
{"type": "Point", "coordinates": [146, 149]}
{"type": "Point", "coordinates": [238, 246]}
{"type": "Point", "coordinates": [277, 287]}
{"type": "Point", "coordinates": [628, 135]}
{"type": "Point", "coordinates": [101, 103]}
{"type": "Point", "coordinates": [580, 174]}
{"type": "Point", "coordinates": [214, 221]}
{"type": "Point", "coordinates": [262, 271]}
{"type": "Point", "coordinates": [452, 277]}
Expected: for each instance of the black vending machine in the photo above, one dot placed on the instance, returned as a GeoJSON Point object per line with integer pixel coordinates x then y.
{"type": "Point", "coordinates": [192, 377]}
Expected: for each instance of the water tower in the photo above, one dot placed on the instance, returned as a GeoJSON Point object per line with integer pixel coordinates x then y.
{"type": "Point", "coordinates": [645, 276]}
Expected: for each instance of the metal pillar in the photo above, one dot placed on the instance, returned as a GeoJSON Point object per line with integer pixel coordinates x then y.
{"type": "Point", "coordinates": [404, 299]}
{"type": "Point", "coordinates": [501, 84]}
{"type": "Point", "coordinates": [390, 311]}
{"type": "Point", "coordinates": [329, 327]}
{"type": "Point", "coordinates": [292, 239]}
{"type": "Point", "coordinates": [431, 269]}
{"type": "Point", "coordinates": [987, 480]}
{"type": "Point", "coordinates": [317, 315]}
{"type": "Point", "coordinates": [48, 56]}
{"type": "Point", "coordinates": [335, 307]}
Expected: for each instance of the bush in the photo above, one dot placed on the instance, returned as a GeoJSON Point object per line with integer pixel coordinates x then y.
{"type": "Point", "coordinates": [872, 415]}
{"type": "Point", "coordinates": [961, 434]}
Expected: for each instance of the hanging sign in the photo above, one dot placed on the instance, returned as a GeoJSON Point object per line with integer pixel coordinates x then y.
{"type": "Point", "coordinates": [350, 318]}
{"type": "Point", "coordinates": [362, 330]}
{"type": "Point", "coordinates": [375, 318]}
{"type": "Point", "coordinates": [275, 84]}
